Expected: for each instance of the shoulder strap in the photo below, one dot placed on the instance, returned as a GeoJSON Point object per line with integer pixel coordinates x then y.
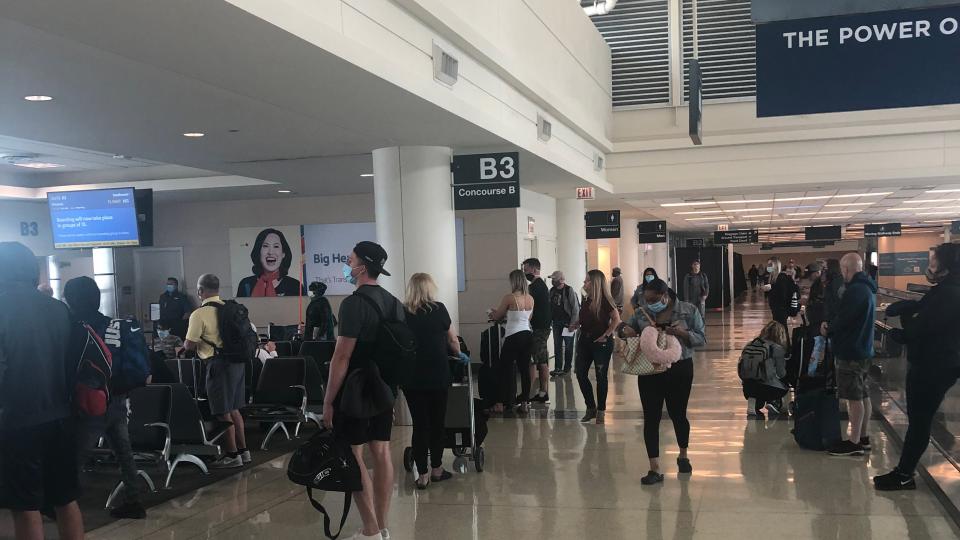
{"type": "Point", "coordinates": [347, 502]}
{"type": "Point", "coordinates": [372, 303]}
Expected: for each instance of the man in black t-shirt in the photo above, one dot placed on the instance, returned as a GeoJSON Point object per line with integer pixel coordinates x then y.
{"type": "Point", "coordinates": [541, 322]}
{"type": "Point", "coordinates": [359, 324]}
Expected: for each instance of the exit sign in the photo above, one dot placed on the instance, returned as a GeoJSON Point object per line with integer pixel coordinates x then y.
{"type": "Point", "coordinates": [585, 193]}
{"type": "Point", "coordinates": [723, 227]}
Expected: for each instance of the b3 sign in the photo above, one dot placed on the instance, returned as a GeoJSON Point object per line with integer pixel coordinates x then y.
{"type": "Point", "coordinates": [888, 59]}
{"type": "Point", "coordinates": [486, 181]}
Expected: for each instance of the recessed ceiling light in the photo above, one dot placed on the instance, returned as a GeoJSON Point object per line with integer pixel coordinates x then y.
{"type": "Point", "coordinates": [944, 191]}
{"type": "Point", "coordinates": [194, 134]}
{"type": "Point", "coordinates": [284, 191]}
{"type": "Point", "coordinates": [699, 212]}
{"type": "Point", "coordinates": [930, 201]}
{"type": "Point", "coordinates": [850, 204]}
{"type": "Point", "coordinates": [37, 165]}
{"type": "Point", "coordinates": [367, 175]}
{"type": "Point", "coordinates": [704, 218]}
{"type": "Point", "coordinates": [38, 98]}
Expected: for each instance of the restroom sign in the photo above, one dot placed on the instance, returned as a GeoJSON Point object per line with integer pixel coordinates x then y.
{"type": "Point", "coordinates": [483, 181]}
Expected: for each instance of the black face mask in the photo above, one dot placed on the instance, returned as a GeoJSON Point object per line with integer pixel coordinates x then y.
{"type": "Point", "coordinates": [530, 277]}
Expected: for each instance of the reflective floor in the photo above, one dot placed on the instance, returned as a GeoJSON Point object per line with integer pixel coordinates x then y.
{"type": "Point", "coordinates": [550, 477]}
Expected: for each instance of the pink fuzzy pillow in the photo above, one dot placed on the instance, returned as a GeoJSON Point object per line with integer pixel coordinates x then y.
{"type": "Point", "coordinates": [656, 355]}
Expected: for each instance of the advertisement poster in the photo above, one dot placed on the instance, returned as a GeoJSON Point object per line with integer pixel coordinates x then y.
{"type": "Point", "coordinates": [266, 261]}
{"type": "Point", "coordinates": [326, 248]}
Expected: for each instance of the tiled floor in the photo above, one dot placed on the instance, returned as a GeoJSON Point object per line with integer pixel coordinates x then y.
{"type": "Point", "coordinates": [549, 477]}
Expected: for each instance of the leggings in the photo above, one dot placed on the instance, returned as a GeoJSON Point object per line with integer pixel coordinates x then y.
{"type": "Point", "coordinates": [673, 387]}
{"type": "Point", "coordinates": [926, 388]}
{"type": "Point", "coordinates": [514, 354]}
{"type": "Point", "coordinates": [598, 354]}
{"type": "Point", "coordinates": [429, 410]}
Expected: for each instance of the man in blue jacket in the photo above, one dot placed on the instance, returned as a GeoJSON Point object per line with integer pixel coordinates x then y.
{"type": "Point", "coordinates": [851, 332]}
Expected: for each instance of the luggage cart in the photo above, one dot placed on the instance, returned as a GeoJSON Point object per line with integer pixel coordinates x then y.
{"type": "Point", "coordinates": [462, 435]}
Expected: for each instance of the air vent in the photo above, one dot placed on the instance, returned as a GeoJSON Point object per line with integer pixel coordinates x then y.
{"type": "Point", "coordinates": [723, 36]}
{"type": "Point", "coordinates": [446, 67]}
{"type": "Point", "coordinates": [599, 161]}
{"type": "Point", "coordinates": [544, 128]}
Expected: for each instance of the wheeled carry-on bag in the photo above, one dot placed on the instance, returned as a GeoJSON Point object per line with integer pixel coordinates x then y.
{"type": "Point", "coordinates": [491, 340]}
{"type": "Point", "coordinates": [816, 415]}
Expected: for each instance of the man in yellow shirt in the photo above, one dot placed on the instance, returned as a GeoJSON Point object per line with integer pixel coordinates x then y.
{"type": "Point", "coordinates": [225, 379]}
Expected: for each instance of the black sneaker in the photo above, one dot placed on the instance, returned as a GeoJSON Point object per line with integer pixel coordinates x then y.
{"type": "Point", "coordinates": [540, 398]}
{"type": "Point", "coordinates": [652, 478]}
{"type": "Point", "coordinates": [521, 399]}
{"type": "Point", "coordinates": [846, 448]}
{"type": "Point", "coordinates": [556, 373]}
{"type": "Point", "coordinates": [566, 372]}
{"type": "Point", "coordinates": [894, 481]}
{"type": "Point", "coordinates": [130, 510]}
{"type": "Point", "coordinates": [865, 443]}
{"type": "Point", "coordinates": [684, 465]}
{"type": "Point", "coordinates": [591, 414]}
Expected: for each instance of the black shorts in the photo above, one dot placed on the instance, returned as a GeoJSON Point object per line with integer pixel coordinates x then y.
{"type": "Point", "coordinates": [357, 431]}
{"type": "Point", "coordinates": [38, 466]}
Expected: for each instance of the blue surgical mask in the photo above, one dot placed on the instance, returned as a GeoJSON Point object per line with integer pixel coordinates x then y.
{"type": "Point", "coordinates": [657, 307]}
{"type": "Point", "coordinates": [769, 269]}
{"type": "Point", "coordinates": [162, 334]}
{"type": "Point", "coordinates": [648, 279]}
{"type": "Point", "coordinates": [348, 274]}
{"type": "Point", "coordinates": [171, 289]}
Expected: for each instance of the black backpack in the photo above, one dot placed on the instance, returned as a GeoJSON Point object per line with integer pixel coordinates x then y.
{"type": "Point", "coordinates": [395, 349]}
{"type": "Point", "coordinates": [239, 339]}
{"type": "Point", "coordinates": [326, 463]}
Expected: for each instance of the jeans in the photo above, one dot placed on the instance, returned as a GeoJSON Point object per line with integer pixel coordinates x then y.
{"type": "Point", "coordinates": [926, 388]}
{"type": "Point", "coordinates": [113, 427]}
{"type": "Point", "coordinates": [429, 410]}
{"type": "Point", "coordinates": [598, 354]}
{"type": "Point", "coordinates": [673, 387]}
{"type": "Point", "coordinates": [562, 348]}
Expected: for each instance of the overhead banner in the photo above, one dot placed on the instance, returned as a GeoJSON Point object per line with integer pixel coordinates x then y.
{"type": "Point", "coordinates": [741, 236]}
{"type": "Point", "coordinates": [603, 224]}
{"type": "Point", "coordinates": [652, 232]}
{"type": "Point", "coordinates": [482, 181]}
{"type": "Point", "coordinates": [881, 229]}
{"type": "Point", "coordinates": [780, 10]}
{"type": "Point", "coordinates": [326, 248]}
{"type": "Point", "coordinates": [903, 58]}
{"type": "Point", "coordinates": [266, 261]}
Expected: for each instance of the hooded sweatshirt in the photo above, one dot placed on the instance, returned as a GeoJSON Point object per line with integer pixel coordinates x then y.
{"type": "Point", "coordinates": [853, 327]}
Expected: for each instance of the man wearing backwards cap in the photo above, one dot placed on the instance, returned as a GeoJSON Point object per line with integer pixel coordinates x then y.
{"type": "Point", "coordinates": [359, 323]}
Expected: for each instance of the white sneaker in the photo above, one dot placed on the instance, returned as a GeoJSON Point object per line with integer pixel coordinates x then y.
{"type": "Point", "coordinates": [227, 463]}
{"type": "Point", "coordinates": [385, 534]}
{"type": "Point", "coordinates": [246, 457]}
{"type": "Point", "coordinates": [361, 536]}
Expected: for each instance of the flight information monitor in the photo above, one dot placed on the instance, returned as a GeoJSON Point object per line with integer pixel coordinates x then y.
{"type": "Point", "coordinates": [92, 219]}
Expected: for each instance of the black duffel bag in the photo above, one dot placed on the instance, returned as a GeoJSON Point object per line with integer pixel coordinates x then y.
{"type": "Point", "coordinates": [326, 463]}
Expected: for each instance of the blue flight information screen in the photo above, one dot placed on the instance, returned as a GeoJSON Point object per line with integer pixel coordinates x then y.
{"type": "Point", "coordinates": [96, 218]}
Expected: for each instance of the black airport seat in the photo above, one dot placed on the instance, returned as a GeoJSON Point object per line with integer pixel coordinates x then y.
{"type": "Point", "coordinates": [281, 396]}
{"type": "Point", "coordinates": [191, 435]}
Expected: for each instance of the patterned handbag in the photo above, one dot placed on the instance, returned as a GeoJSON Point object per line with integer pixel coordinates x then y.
{"type": "Point", "coordinates": [635, 361]}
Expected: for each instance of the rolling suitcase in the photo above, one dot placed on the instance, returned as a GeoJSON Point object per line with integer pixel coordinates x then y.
{"type": "Point", "coordinates": [816, 415]}
{"type": "Point", "coordinates": [491, 340]}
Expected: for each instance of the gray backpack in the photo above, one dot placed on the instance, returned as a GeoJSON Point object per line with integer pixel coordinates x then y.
{"type": "Point", "coordinates": [753, 361]}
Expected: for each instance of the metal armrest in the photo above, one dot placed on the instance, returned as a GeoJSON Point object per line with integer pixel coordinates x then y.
{"type": "Point", "coordinates": [167, 442]}
{"type": "Point", "coordinates": [303, 404]}
{"type": "Point", "coordinates": [212, 441]}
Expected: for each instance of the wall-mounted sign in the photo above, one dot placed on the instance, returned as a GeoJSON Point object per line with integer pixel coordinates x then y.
{"type": "Point", "coordinates": [955, 227]}
{"type": "Point", "coordinates": [739, 236]}
{"type": "Point", "coordinates": [881, 229]}
{"type": "Point", "coordinates": [652, 232]}
{"type": "Point", "coordinates": [486, 181]}
{"type": "Point", "coordinates": [695, 242]}
{"type": "Point", "coordinates": [723, 227]}
{"type": "Point", "coordinates": [585, 193]}
{"type": "Point", "coordinates": [531, 225]}
{"type": "Point", "coordinates": [696, 102]}
{"type": "Point", "coordinates": [833, 232]}
{"type": "Point", "coordinates": [904, 264]}
{"type": "Point", "coordinates": [902, 58]}
{"type": "Point", "coordinates": [603, 224]}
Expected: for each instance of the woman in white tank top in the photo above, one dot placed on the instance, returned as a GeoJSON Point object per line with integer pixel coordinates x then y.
{"type": "Point", "coordinates": [516, 308]}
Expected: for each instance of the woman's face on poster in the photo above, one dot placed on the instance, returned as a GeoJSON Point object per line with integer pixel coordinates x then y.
{"type": "Point", "coordinates": [271, 253]}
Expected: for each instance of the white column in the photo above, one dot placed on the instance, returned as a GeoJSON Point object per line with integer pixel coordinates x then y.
{"type": "Point", "coordinates": [572, 241]}
{"type": "Point", "coordinates": [415, 219]}
{"type": "Point", "coordinates": [629, 254]}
